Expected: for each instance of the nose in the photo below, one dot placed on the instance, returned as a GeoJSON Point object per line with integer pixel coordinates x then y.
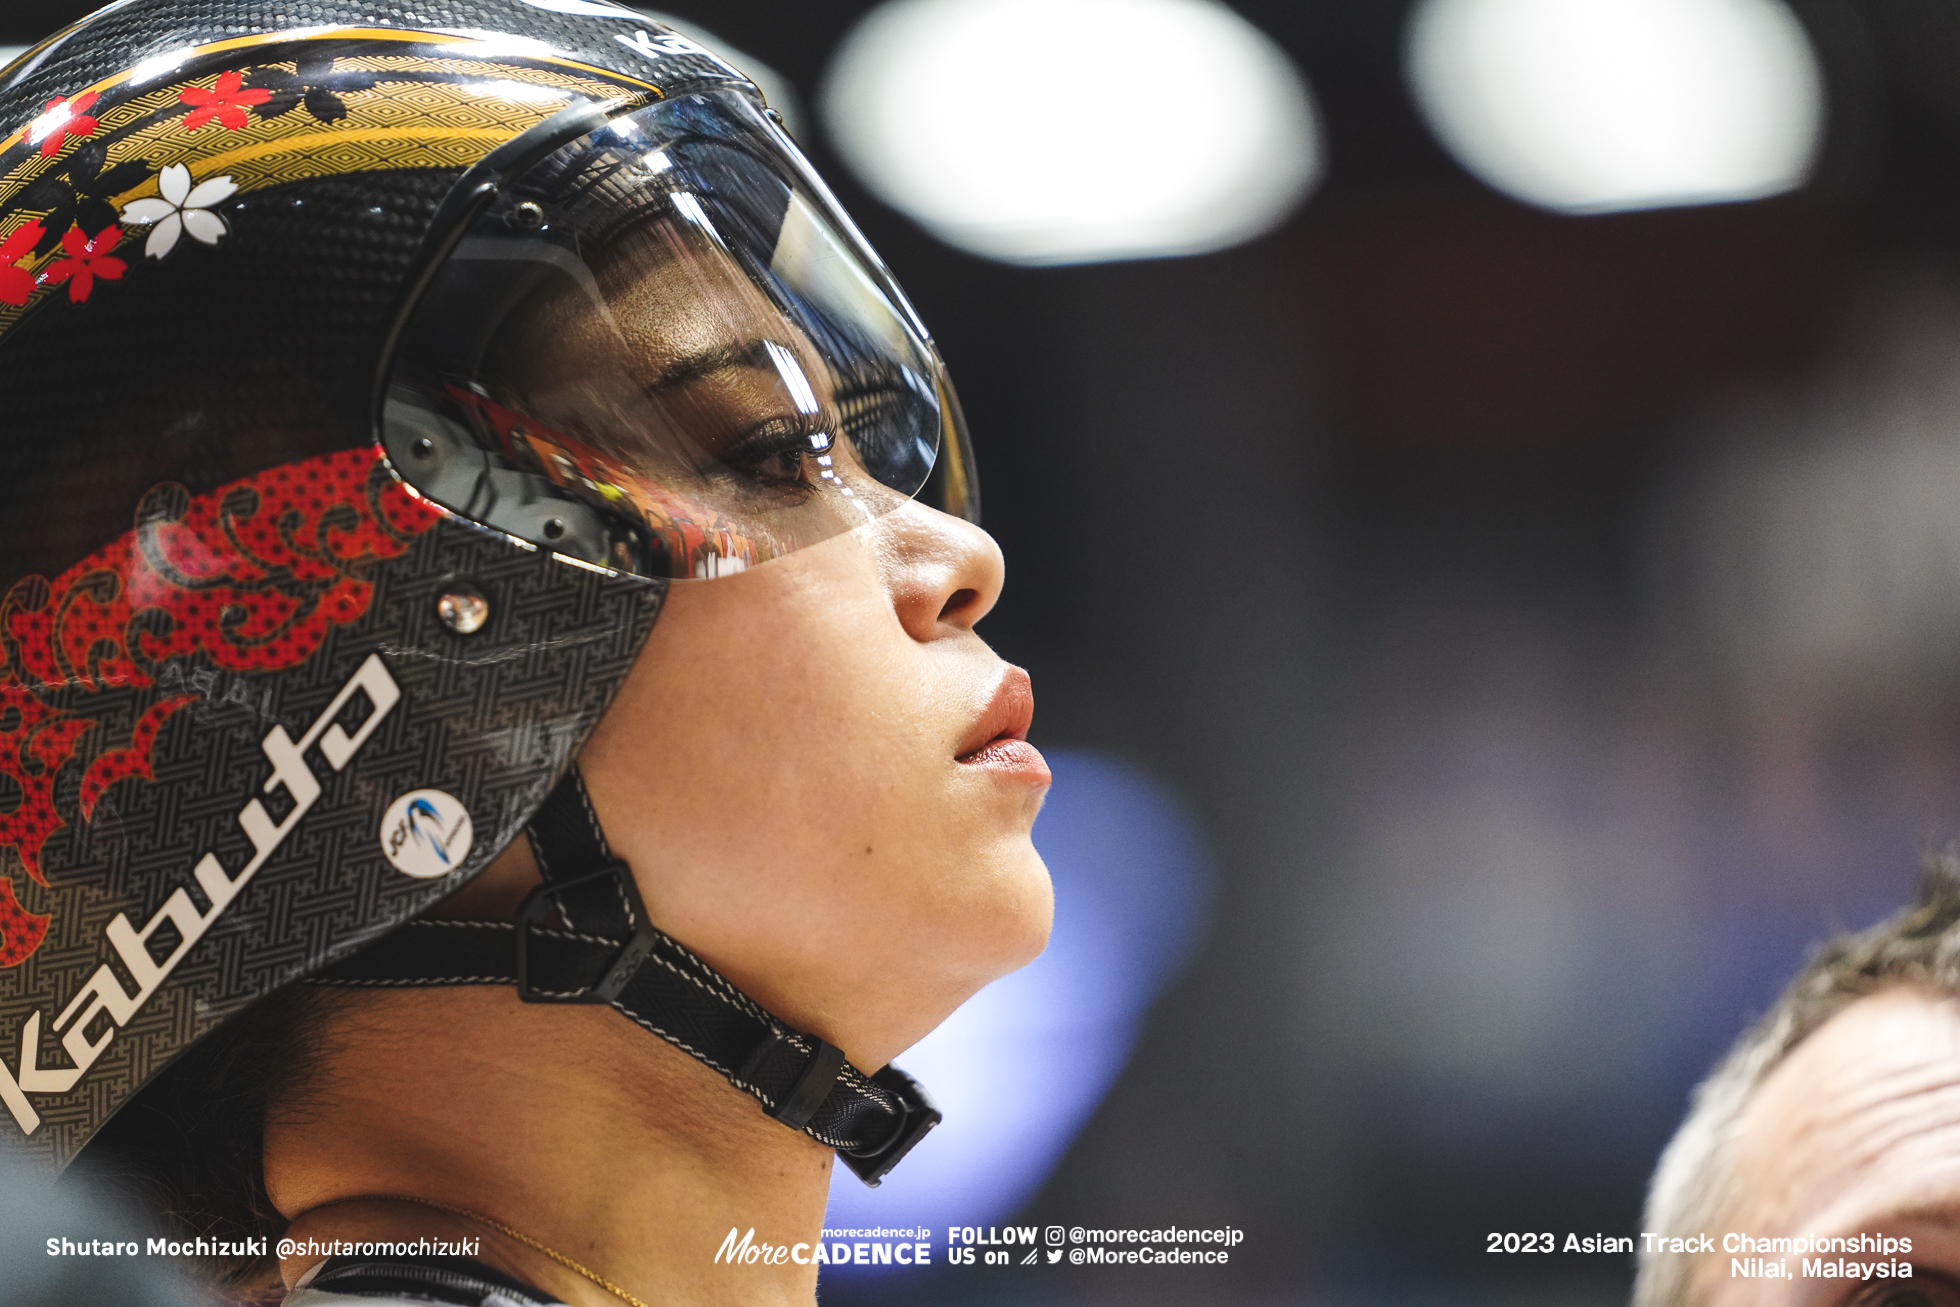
{"type": "Point", "coordinates": [943, 574]}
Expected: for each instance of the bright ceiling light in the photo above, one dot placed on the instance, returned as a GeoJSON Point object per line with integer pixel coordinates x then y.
{"type": "Point", "coordinates": [1074, 131]}
{"type": "Point", "coordinates": [1587, 106]}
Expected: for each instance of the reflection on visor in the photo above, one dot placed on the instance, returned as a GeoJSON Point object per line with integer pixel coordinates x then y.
{"type": "Point", "coordinates": [658, 349]}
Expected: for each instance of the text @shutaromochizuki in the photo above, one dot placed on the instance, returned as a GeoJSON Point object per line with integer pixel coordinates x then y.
{"type": "Point", "coordinates": [103, 991]}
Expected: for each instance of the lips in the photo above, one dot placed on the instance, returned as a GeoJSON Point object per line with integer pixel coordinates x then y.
{"type": "Point", "coordinates": [998, 739]}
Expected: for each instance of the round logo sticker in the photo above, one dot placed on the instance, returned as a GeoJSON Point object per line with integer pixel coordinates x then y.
{"type": "Point", "coordinates": [426, 834]}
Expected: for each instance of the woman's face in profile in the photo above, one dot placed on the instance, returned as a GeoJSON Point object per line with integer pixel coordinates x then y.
{"type": "Point", "coordinates": [814, 767]}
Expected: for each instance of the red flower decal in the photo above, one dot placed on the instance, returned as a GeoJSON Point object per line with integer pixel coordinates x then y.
{"type": "Point", "coordinates": [63, 118]}
{"type": "Point", "coordinates": [16, 284]}
{"type": "Point", "coordinates": [226, 101]}
{"type": "Point", "coordinates": [87, 260]}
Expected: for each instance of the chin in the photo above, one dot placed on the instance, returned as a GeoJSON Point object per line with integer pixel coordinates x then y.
{"type": "Point", "coordinates": [1001, 929]}
{"type": "Point", "coordinates": [1023, 908]}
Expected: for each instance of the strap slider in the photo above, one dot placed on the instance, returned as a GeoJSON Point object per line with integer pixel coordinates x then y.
{"type": "Point", "coordinates": [918, 1114]}
{"type": "Point", "coordinates": [812, 1085]}
{"type": "Point", "coordinates": [533, 986]}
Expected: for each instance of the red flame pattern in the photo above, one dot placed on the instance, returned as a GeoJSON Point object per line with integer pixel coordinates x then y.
{"type": "Point", "coordinates": [251, 575]}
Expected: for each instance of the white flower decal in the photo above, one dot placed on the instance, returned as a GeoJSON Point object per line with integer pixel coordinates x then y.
{"type": "Point", "coordinates": [182, 209]}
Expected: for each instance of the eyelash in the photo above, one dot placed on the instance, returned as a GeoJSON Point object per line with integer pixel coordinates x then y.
{"type": "Point", "coordinates": [774, 439]}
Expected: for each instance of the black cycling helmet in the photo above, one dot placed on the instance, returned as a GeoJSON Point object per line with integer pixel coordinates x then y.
{"type": "Point", "coordinates": [367, 373]}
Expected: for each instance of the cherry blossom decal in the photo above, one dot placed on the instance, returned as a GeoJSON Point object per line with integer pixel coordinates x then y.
{"type": "Point", "coordinates": [88, 258]}
{"type": "Point", "coordinates": [84, 153]}
{"type": "Point", "coordinates": [17, 283]}
{"type": "Point", "coordinates": [225, 100]}
{"type": "Point", "coordinates": [181, 208]}
{"type": "Point", "coordinates": [76, 193]}
{"type": "Point", "coordinates": [64, 118]}
{"type": "Point", "coordinates": [312, 84]}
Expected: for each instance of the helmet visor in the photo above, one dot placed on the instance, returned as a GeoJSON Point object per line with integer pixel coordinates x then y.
{"type": "Point", "coordinates": [663, 349]}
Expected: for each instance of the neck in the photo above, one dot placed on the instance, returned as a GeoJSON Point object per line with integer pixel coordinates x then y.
{"type": "Point", "coordinates": [570, 1126]}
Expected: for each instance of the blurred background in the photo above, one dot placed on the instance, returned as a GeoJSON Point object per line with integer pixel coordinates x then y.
{"type": "Point", "coordinates": [1481, 487]}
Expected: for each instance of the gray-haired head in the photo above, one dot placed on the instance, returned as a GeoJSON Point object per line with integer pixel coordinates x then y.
{"type": "Point", "coordinates": [1697, 1185]}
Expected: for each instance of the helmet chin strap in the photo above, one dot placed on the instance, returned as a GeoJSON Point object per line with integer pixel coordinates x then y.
{"type": "Point", "coordinates": [583, 936]}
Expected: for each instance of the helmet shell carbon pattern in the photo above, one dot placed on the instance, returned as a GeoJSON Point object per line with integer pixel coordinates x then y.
{"type": "Point", "coordinates": [221, 656]}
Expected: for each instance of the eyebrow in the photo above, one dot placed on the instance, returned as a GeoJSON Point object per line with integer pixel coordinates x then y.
{"type": "Point", "coordinates": [751, 353]}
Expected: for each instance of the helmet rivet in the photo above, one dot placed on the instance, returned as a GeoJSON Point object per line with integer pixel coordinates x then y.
{"type": "Point", "coordinates": [554, 529]}
{"type": "Point", "coordinates": [526, 217]}
{"type": "Point", "coordinates": [463, 610]}
{"type": "Point", "coordinates": [423, 448]}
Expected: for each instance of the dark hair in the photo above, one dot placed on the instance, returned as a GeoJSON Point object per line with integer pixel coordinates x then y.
{"type": "Point", "coordinates": [188, 1151]}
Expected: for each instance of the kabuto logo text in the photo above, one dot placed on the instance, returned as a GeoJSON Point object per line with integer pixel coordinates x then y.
{"type": "Point", "coordinates": [104, 991]}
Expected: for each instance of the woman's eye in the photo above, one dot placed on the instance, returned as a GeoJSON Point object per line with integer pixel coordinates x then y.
{"type": "Point", "coordinates": [779, 455]}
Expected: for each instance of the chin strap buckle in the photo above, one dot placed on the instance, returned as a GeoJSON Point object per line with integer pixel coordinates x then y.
{"type": "Point", "coordinates": [917, 1116]}
{"type": "Point", "coordinates": [608, 892]}
{"type": "Point", "coordinates": [584, 936]}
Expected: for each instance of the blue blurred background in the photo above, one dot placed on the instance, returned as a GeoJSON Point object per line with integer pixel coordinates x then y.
{"type": "Point", "coordinates": [1481, 487]}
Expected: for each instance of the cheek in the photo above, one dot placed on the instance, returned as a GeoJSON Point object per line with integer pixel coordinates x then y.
{"type": "Point", "coordinates": [778, 769]}
{"type": "Point", "coordinates": [794, 723]}
{"type": "Point", "coordinates": [773, 728]}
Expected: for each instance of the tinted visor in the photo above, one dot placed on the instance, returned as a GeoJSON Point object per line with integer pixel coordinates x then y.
{"type": "Point", "coordinates": [663, 349]}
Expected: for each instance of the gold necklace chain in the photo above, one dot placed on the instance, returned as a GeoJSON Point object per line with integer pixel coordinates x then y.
{"type": "Point", "coordinates": [522, 1238]}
